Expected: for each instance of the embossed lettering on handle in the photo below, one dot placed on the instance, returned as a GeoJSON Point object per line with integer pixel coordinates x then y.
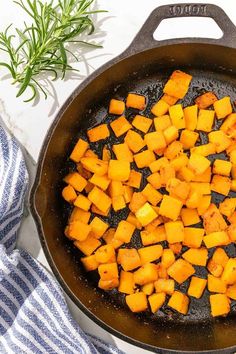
{"type": "Point", "coordinates": [188, 10]}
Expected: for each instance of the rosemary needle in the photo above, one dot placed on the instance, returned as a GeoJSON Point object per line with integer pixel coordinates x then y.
{"type": "Point", "coordinates": [43, 44]}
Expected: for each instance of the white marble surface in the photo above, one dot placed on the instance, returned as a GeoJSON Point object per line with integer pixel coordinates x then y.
{"type": "Point", "coordinates": [29, 122]}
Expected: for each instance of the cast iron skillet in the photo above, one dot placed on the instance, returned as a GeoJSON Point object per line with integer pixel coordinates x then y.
{"type": "Point", "coordinates": [143, 68]}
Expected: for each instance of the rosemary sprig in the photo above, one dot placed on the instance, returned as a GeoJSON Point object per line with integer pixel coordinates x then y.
{"type": "Point", "coordinates": [42, 45]}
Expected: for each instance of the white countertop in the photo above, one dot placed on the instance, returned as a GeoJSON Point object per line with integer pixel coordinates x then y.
{"type": "Point", "coordinates": [29, 122]}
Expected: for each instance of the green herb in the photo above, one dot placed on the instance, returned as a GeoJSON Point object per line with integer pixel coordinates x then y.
{"type": "Point", "coordinates": [42, 45]}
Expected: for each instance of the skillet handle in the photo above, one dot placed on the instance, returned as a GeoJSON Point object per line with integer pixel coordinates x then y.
{"type": "Point", "coordinates": [144, 39]}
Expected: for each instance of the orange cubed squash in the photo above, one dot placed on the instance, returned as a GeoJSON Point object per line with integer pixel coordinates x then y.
{"type": "Point", "coordinates": [233, 185]}
{"type": "Point", "coordinates": [115, 189]}
{"type": "Point", "coordinates": [137, 201]}
{"type": "Point", "coordinates": [222, 167]}
{"type": "Point", "coordinates": [155, 180]}
{"type": "Point", "coordinates": [205, 100]}
{"type": "Point", "coordinates": [95, 165]}
{"type": "Point", "coordinates": [118, 202]}
{"type": "Point", "coordinates": [135, 179]}
{"type": "Point", "coordinates": [116, 106]}
{"type": "Point", "coordinates": [213, 220]}
{"type": "Point", "coordinates": [170, 207]}
{"type": "Point", "coordinates": [227, 207]}
{"type": "Point", "coordinates": [189, 216]}
{"type": "Point", "coordinates": [160, 108]}
{"type": "Point", "coordinates": [197, 287]}
{"type": "Point", "coordinates": [168, 258]}
{"type": "Point", "coordinates": [177, 116]}
{"type": "Point", "coordinates": [126, 284]}
{"type": "Point", "coordinates": [215, 285]}
{"type": "Point", "coordinates": [181, 270]}
{"type": "Point", "coordinates": [106, 154]}
{"type": "Point", "coordinates": [88, 246]}
{"type": "Point", "coordinates": [133, 220]}
{"type": "Point", "coordinates": [169, 99]}
{"type": "Point", "coordinates": [220, 140]}
{"type": "Point", "coordinates": [178, 189]}
{"type": "Point", "coordinates": [193, 237]}
{"type": "Point", "coordinates": [204, 204]}
{"type": "Point", "coordinates": [105, 254]}
{"type": "Point", "coordinates": [79, 215]}
{"type": "Point", "coordinates": [156, 301]}
{"type": "Point", "coordinates": [228, 123]}
{"type": "Point", "coordinates": [148, 289]}
{"type": "Point", "coordinates": [179, 161]}
{"type": "Point", "coordinates": [205, 120]}
{"type": "Point", "coordinates": [218, 238]}
{"type": "Point", "coordinates": [196, 256]}
{"type": "Point", "coordinates": [79, 150]}
{"type": "Point", "coordinates": [136, 101]}
{"type": "Point", "coordinates": [128, 193]}
{"type": "Point", "coordinates": [142, 123]}
{"type": "Point", "coordinates": [108, 237]}
{"type": "Point", "coordinates": [204, 177]}
{"type": "Point", "coordinates": [191, 117]}
{"type": "Point", "coordinates": [146, 274]}
{"type": "Point", "coordinates": [78, 230]}
{"type": "Point", "coordinates": [69, 194]}
{"type": "Point", "coordinates": [89, 263]}
{"type": "Point", "coordinates": [82, 202]}
{"type": "Point", "coordinates": [179, 302]}
{"type": "Point", "coordinates": [122, 152]}
{"type": "Point", "coordinates": [201, 187]}
{"type": "Point", "coordinates": [221, 184]}
{"type": "Point", "coordinates": [99, 227]}
{"type": "Point", "coordinates": [188, 138]}
{"type": "Point", "coordinates": [152, 195]}
{"type": "Point", "coordinates": [214, 268]}
{"type": "Point", "coordinates": [98, 133]}
{"type": "Point", "coordinates": [166, 286]}
{"type": "Point", "coordinates": [176, 247]}
{"type": "Point", "coordinates": [137, 302]}
{"type": "Point", "coordinates": [174, 231]}
{"type": "Point", "coordinates": [170, 134]}
{"type": "Point", "coordinates": [198, 163]}
{"type": "Point", "coordinates": [178, 84]}
{"type": "Point", "coordinates": [108, 271]}
{"type": "Point", "coordinates": [185, 174]}
{"type": "Point", "coordinates": [108, 284]}
{"type": "Point", "coordinates": [146, 214]}
{"type": "Point", "coordinates": [100, 199]}
{"type": "Point", "coordinates": [134, 141]}
{"type": "Point", "coordinates": [100, 181]}
{"type": "Point", "coordinates": [128, 258]}
{"type": "Point", "coordinates": [162, 122]}
{"type": "Point", "coordinates": [124, 231]}
{"type": "Point", "coordinates": [90, 153]}
{"type": "Point", "coordinates": [76, 181]}
{"type": "Point", "coordinates": [231, 230]}
{"type": "Point", "coordinates": [119, 170]}
{"type": "Point", "coordinates": [173, 150]}
{"type": "Point", "coordinates": [223, 107]}
{"type": "Point", "coordinates": [220, 305]}
{"type": "Point", "coordinates": [204, 150]}
{"type": "Point", "coordinates": [150, 253]}
{"type": "Point", "coordinates": [231, 292]}
{"type": "Point", "coordinates": [155, 236]}
{"type": "Point", "coordinates": [155, 140]}
{"type": "Point", "coordinates": [120, 126]}
{"type": "Point", "coordinates": [229, 273]}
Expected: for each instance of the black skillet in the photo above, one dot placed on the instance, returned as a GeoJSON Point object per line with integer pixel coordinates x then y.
{"type": "Point", "coordinates": [144, 68]}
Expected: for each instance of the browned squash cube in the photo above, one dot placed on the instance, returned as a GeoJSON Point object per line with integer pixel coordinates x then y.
{"type": "Point", "coordinates": [146, 274]}
{"type": "Point", "coordinates": [126, 284]}
{"type": "Point", "coordinates": [166, 286]}
{"type": "Point", "coordinates": [156, 301]}
{"type": "Point", "coordinates": [220, 305]}
{"type": "Point", "coordinates": [142, 123]}
{"type": "Point", "coordinates": [223, 107]}
{"type": "Point", "coordinates": [98, 133]}
{"type": "Point", "coordinates": [136, 101]}
{"type": "Point", "coordinates": [197, 287]}
{"type": "Point", "coordinates": [181, 270]}
{"type": "Point", "coordinates": [120, 126]}
{"type": "Point", "coordinates": [137, 302]}
{"type": "Point", "coordinates": [170, 207]}
{"type": "Point", "coordinates": [150, 253]}
{"type": "Point", "coordinates": [79, 150]}
{"type": "Point", "coordinates": [124, 231]}
{"type": "Point", "coordinates": [116, 106]}
{"type": "Point", "coordinates": [179, 302]}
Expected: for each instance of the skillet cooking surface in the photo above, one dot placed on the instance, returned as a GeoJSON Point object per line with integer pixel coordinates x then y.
{"type": "Point", "coordinates": [214, 69]}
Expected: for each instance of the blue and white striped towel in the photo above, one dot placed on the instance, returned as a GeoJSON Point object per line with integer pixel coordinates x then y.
{"type": "Point", "coordinates": [34, 317]}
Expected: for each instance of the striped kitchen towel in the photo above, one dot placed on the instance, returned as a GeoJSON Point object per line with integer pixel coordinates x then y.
{"type": "Point", "coordinates": [34, 317]}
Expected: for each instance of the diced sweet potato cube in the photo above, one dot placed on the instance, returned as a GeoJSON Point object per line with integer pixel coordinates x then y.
{"type": "Point", "coordinates": [156, 301]}
{"type": "Point", "coordinates": [108, 237]}
{"type": "Point", "coordinates": [79, 215]}
{"type": "Point", "coordinates": [179, 302]}
{"type": "Point", "coordinates": [124, 231]}
{"type": "Point", "coordinates": [146, 274]}
{"type": "Point", "coordinates": [108, 271]}
{"type": "Point", "coordinates": [135, 179]}
{"type": "Point", "coordinates": [222, 167]}
{"type": "Point", "coordinates": [220, 305]}
{"type": "Point", "coordinates": [160, 108]}
{"type": "Point", "coordinates": [98, 133]}
{"type": "Point", "coordinates": [178, 84]}
{"type": "Point", "coordinates": [221, 184]}
{"type": "Point", "coordinates": [155, 180]}
{"type": "Point", "coordinates": [213, 220]}
{"type": "Point", "coordinates": [146, 214]}
{"type": "Point", "coordinates": [135, 100]}
{"type": "Point", "coordinates": [137, 302]}
{"type": "Point", "coordinates": [148, 288]}
{"type": "Point", "coordinates": [82, 202]}
{"type": "Point", "coordinates": [196, 256]}
{"type": "Point", "coordinates": [219, 238]}
{"type": "Point", "coordinates": [181, 270]}
{"type": "Point", "coordinates": [177, 116]}
{"type": "Point", "coordinates": [214, 268]}
{"type": "Point", "coordinates": [231, 292]}
{"type": "Point", "coordinates": [155, 140]}
{"type": "Point", "coordinates": [193, 237]}
{"type": "Point", "coordinates": [166, 286]}
{"type": "Point", "coordinates": [89, 263]}
{"type": "Point", "coordinates": [105, 254]}
{"type": "Point", "coordinates": [170, 207]}
{"type": "Point", "coordinates": [190, 117]}
{"type": "Point", "coordinates": [173, 150]}
{"type": "Point", "coordinates": [98, 226]}
{"type": "Point", "coordinates": [79, 150]}
{"type": "Point", "coordinates": [126, 284]}
{"type": "Point", "coordinates": [223, 107]}
{"type": "Point", "coordinates": [95, 165]}
{"type": "Point", "coordinates": [216, 285]}
{"type": "Point", "coordinates": [220, 140]}
{"type": "Point", "coordinates": [205, 120]}
{"type": "Point", "coordinates": [134, 141]}
{"type": "Point", "coordinates": [122, 152]}
{"type": "Point", "coordinates": [78, 231]}
{"type": "Point", "coordinates": [108, 284]}
{"type": "Point", "coordinates": [150, 253]}
{"type": "Point", "coordinates": [76, 181]}
{"type": "Point", "coordinates": [116, 106]}
{"type": "Point", "coordinates": [142, 123]}
{"type": "Point", "coordinates": [69, 194]}
{"type": "Point", "coordinates": [155, 236]}
{"type": "Point", "coordinates": [120, 126]}
{"type": "Point", "coordinates": [128, 258]}
{"type": "Point", "coordinates": [229, 273]}
{"type": "Point", "coordinates": [168, 258]}
{"type": "Point", "coordinates": [137, 201]}
{"type": "Point", "coordinates": [189, 216]}
{"type": "Point", "coordinates": [88, 246]}
{"type": "Point", "coordinates": [206, 100]}
{"type": "Point", "coordinates": [204, 204]}
{"type": "Point", "coordinates": [152, 195]}
{"type": "Point", "coordinates": [174, 231]}
{"type": "Point", "coordinates": [188, 138]}
{"type": "Point", "coordinates": [162, 122]}
{"type": "Point", "coordinates": [197, 287]}
{"type": "Point", "coordinates": [118, 202]}
{"type": "Point", "coordinates": [198, 163]}
{"type": "Point", "coordinates": [99, 199]}
{"type": "Point", "coordinates": [119, 170]}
